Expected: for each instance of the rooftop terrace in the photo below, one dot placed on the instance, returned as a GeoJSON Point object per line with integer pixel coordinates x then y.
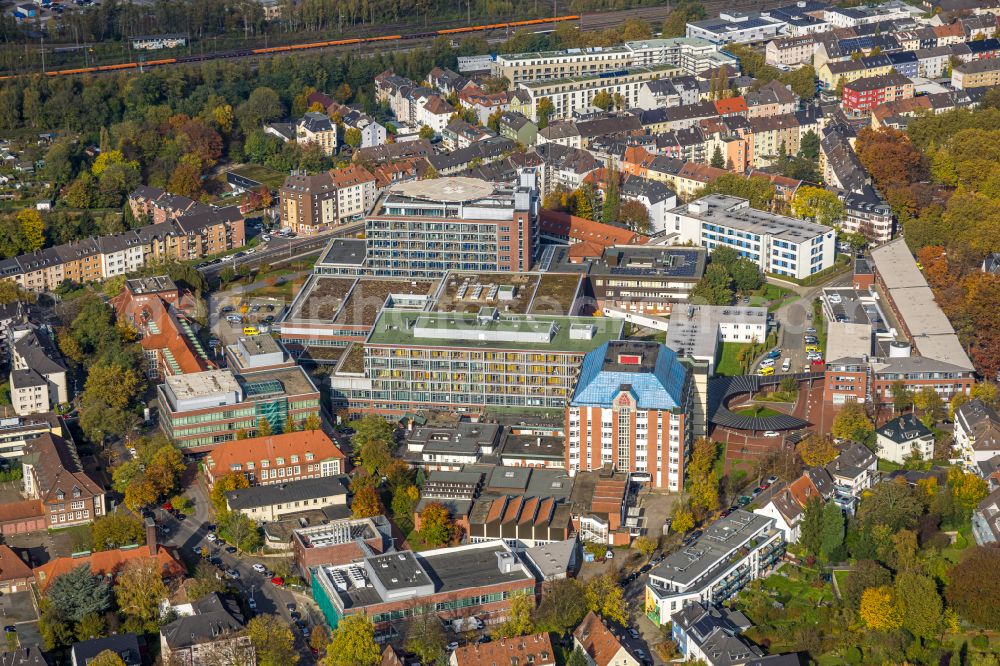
{"type": "Point", "coordinates": [527, 332]}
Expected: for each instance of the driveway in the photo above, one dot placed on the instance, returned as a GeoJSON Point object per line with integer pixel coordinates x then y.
{"type": "Point", "coordinates": [189, 535]}
{"type": "Point", "coordinates": [795, 316]}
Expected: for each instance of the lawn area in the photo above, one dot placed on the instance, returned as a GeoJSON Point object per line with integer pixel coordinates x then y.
{"type": "Point", "coordinates": [841, 576]}
{"type": "Point", "coordinates": [262, 174]}
{"type": "Point", "coordinates": [784, 605]}
{"type": "Point", "coordinates": [758, 412]}
{"type": "Point", "coordinates": [729, 364]}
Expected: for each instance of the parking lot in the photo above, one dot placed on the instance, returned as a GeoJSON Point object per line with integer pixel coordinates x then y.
{"type": "Point", "coordinates": [235, 317]}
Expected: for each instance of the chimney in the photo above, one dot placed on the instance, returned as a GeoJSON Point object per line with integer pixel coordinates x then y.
{"type": "Point", "coordinates": [151, 537]}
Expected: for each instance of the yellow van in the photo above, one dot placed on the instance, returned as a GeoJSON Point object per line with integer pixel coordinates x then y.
{"type": "Point", "coordinates": [250, 330]}
{"type": "Point", "coordinates": [765, 372]}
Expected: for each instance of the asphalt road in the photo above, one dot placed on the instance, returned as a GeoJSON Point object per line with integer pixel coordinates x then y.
{"type": "Point", "coordinates": [794, 317]}
{"type": "Point", "coordinates": [278, 249]}
{"type": "Point", "coordinates": [188, 537]}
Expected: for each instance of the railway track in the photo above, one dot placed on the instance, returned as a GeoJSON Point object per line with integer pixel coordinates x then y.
{"type": "Point", "coordinates": [588, 22]}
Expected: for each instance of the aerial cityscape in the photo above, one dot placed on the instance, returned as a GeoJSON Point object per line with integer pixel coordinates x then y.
{"type": "Point", "coordinates": [401, 333]}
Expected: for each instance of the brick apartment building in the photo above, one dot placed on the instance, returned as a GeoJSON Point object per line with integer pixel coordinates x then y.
{"type": "Point", "coordinates": [183, 233]}
{"type": "Point", "coordinates": [306, 454]}
{"type": "Point", "coordinates": [153, 306]}
{"type": "Point", "coordinates": [54, 477]}
{"type": "Point", "coordinates": [310, 204]}
{"type": "Point", "coordinates": [631, 410]}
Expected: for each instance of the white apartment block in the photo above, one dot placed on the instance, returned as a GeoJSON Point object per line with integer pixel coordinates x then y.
{"type": "Point", "coordinates": [691, 55]}
{"type": "Point", "coordinates": [572, 95]}
{"type": "Point", "coordinates": [977, 433]}
{"type": "Point", "coordinates": [790, 51]}
{"type": "Point", "coordinates": [732, 552]}
{"type": "Point", "coordinates": [778, 244]}
{"type": "Point", "coordinates": [736, 28]}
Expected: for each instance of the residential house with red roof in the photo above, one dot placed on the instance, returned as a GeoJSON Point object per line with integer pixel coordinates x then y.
{"type": "Point", "coordinates": [15, 574]}
{"type": "Point", "coordinates": [110, 563]}
{"type": "Point", "coordinates": [154, 307]}
{"type": "Point", "coordinates": [599, 644]}
{"type": "Point", "coordinates": [535, 650]}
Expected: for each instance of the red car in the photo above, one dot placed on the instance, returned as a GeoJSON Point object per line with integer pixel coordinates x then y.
{"type": "Point", "coordinates": [278, 580]}
{"type": "Point", "coordinates": [168, 507]}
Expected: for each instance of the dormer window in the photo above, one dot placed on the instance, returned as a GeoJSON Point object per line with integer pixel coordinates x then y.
{"type": "Point", "coordinates": [76, 492]}
{"type": "Point", "coordinates": [60, 495]}
{"type": "Point", "coordinates": [279, 461]}
{"type": "Point", "coordinates": [265, 463]}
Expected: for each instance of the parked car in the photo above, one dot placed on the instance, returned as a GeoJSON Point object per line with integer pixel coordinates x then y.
{"type": "Point", "coordinates": [633, 633]}
{"type": "Point", "coordinates": [259, 568]}
{"type": "Point", "coordinates": [451, 647]}
{"type": "Point", "coordinates": [211, 537]}
{"type": "Point", "coordinates": [278, 580]}
{"type": "Point", "coordinates": [773, 478]}
{"type": "Point", "coordinates": [770, 433]}
{"type": "Point", "coordinates": [834, 298]}
{"type": "Point", "coordinates": [232, 574]}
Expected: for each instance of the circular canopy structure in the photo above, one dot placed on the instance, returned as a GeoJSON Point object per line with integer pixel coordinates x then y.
{"type": "Point", "coordinates": [721, 389]}
{"type": "Point", "coordinates": [451, 189]}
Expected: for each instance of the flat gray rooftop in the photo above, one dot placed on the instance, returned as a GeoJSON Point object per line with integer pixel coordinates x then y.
{"type": "Point", "coordinates": [714, 547]}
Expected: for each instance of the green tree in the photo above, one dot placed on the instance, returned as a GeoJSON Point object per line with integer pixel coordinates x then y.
{"type": "Point", "coordinates": [718, 161]}
{"type": "Point", "coordinates": [832, 531]}
{"type": "Point", "coordinates": [139, 589]}
{"type": "Point", "coordinates": [32, 229]}
{"type": "Point", "coordinates": [902, 396]}
{"type": "Point", "coordinates": [562, 607]}
{"type": "Point", "coordinates": [852, 424]}
{"type": "Point", "coordinates": [746, 276]}
{"type": "Point", "coordinates": [974, 587]}
{"type": "Point", "coordinates": [55, 629]}
{"type": "Point", "coordinates": [757, 189]}
{"type": "Point", "coordinates": [811, 531]}
{"type": "Point", "coordinates": [518, 621]}
{"type": "Point", "coordinates": [919, 603]}
{"type": "Point", "coordinates": [90, 626]}
{"type": "Point", "coordinates": [605, 597]}
{"type": "Point", "coordinates": [426, 132]}
{"type": "Point", "coordinates": [425, 636]}
{"type": "Point", "coordinates": [78, 592]}
{"type": "Point", "coordinates": [892, 504]}
{"type": "Point", "coordinates": [612, 195]}
{"type": "Point", "coordinates": [241, 531]}
{"type": "Point", "coordinates": [353, 643]}
{"type": "Point", "coordinates": [577, 658]}
{"type": "Point", "coordinates": [117, 529]}
{"type": "Point", "coordinates": [602, 100]}
{"type": "Point", "coordinates": [819, 205]}
{"type": "Point", "coordinates": [646, 546]}
{"type": "Point", "coordinates": [272, 640]}
{"type": "Point", "coordinates": [864, 574]}
{"type": "Point", "coordinates": [930, 404]}
{"type": "Point", "coordinates": [543, 111]}
{"type": "Point", "coordinates": [714, 287]}
{"type": "Point", "coordinates": [683, 13]}
{"type": "Point", "coordinates": [264, 427]}
{"type": "Point", "coordinates": [352, 137]}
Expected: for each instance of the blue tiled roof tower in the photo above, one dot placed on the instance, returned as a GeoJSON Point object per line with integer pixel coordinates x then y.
{"type": "Point", "coordinates": [651, 371]}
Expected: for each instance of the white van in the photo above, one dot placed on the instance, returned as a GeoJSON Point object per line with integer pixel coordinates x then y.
{"type": "Point", "coordinates": [786, 365]}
